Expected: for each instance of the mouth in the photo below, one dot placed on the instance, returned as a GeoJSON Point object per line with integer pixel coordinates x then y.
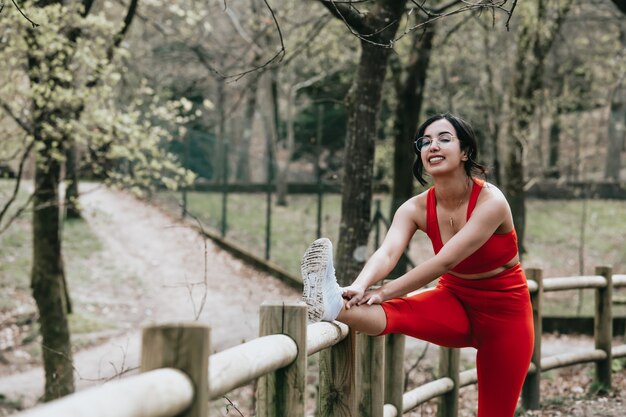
{"type": "Point", "coordinates": [435, 159]}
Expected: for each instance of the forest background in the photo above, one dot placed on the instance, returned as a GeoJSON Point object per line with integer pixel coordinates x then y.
{"type": "Point", "coordinates": [153, 95]}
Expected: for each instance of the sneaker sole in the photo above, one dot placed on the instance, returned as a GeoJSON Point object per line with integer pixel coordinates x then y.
{"type": "Point", "coordinates": [313, 268]}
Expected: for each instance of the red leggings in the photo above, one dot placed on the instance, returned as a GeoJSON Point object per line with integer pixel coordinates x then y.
{"type": "Point", "coordinates": [494, 315]}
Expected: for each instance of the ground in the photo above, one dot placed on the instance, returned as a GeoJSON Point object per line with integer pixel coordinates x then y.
{"type": "Point", "coordinates": [157, 269]}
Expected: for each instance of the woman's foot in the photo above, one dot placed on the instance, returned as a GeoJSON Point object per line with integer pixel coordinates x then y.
{"type": "Point", "coordinates": [321, 292]}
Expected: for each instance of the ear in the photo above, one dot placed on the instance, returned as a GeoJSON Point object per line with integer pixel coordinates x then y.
{"type": "Point", "coordinates": [464, 156]}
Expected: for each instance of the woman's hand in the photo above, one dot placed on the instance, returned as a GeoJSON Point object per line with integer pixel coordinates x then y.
{"type": "Point", "coordinates": [375, 296]}
{"type": "Point", "coordinates": [354, 294]}
{"type": "Point", "coordinates": [357, 295]}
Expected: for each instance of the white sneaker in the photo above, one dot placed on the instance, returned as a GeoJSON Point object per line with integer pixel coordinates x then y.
{"type": "Point", "coordinates": [321, 292]}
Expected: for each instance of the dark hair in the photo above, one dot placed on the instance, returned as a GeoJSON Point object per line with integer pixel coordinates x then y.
{"type": "Point", "coordinates": [467, 139]}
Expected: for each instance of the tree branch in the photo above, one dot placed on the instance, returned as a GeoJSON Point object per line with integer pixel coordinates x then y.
{"type": "Point", "coordinates": [313, 34]}
{"type": "Point", "coordinates": [17, 214]}
{"type": "Point", "coordinates": [118, 38]}
{"type": "Point", "coordinates": [240, 30]}
{"type": "Point", "coordinates": [16, 190]}
{"type": "Point", "coordinates": [440, 13]}
{"type": "Point", "coordinates": [130, 14]}
{"type": "Point", "coordinates": [25, 127]}
{"type": "Point", "coordinates": [350, 16]}
{"type": "Point", "coordinates": [278, 57]}
{"type": "Point", "coordinates": [508, 20]}
{"type": "Point", "coordinates": [35, 25]}
{"type": "Point", "coordinates": [362, 28]}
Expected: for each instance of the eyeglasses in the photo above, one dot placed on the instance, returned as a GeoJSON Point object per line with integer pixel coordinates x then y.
{"type": "Point", "coordinates": [425, 142]}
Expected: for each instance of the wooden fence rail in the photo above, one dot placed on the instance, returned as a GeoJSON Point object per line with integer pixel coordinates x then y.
{"type": "Point", "coordinates": [179, 377]}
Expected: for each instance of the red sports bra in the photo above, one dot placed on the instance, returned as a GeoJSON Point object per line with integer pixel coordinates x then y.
{"type": "Point", "coordinates": [496, 252]}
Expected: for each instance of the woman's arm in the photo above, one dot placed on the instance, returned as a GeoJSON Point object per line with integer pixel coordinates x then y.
{"type": "Point", "coordinates": [485, 219]}
{"type": "Point", "coordinates": [382, 262]}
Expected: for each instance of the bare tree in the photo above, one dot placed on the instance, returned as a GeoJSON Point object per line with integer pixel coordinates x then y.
{"type": "Point", "coordinates": [376, 31]}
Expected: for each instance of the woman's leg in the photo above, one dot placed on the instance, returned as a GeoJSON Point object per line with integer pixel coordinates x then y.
{"type": "Point", "coordinates": [434, 315]}
{"type": "Point", "coordinates": [366, 319]}
{"type": "Point", "coordinates": [502, 325]}
{"type": "Point", "coordinates": [502, 363]}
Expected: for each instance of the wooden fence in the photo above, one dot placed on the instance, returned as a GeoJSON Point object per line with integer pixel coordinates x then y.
{"type": "Point", "coordinates": [179, 376]}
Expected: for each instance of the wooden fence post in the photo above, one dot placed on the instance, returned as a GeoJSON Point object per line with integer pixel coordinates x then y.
{"type": "Point", "coordinates": [183, 346]}
{"type": "Point", "coordinates": [283, 392]}
{"type": "Point", "coordinates": [603, 327]}
{"type": "Point", "coordinates": [370, 379]}
{"type": "Point", "coordinates": [394, 370]}
{"type": "Point", "coordinates": [449, 361]}
{"type": "Point", "coordinates": [531, 396]}
{"type": "Point", "coordinates": [337, 388]}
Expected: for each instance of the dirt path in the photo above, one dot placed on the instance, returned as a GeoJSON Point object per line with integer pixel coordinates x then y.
{"type": "Point", "coordinates": [162, 267]}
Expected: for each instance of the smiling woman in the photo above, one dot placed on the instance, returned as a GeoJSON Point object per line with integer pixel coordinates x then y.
{"type": "Point", "coordinates": [459, 130]}
{"type": "Point", "coordinates": [481, 299]}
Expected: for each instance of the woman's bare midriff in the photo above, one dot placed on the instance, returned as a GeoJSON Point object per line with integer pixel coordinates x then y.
{"type": "Point", "coordinates": [488, 274]}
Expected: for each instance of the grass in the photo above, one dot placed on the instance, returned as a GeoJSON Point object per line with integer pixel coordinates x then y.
{"type": "Point", "coordinates": [16, 257]}
{"type": "Point", "coordinates": [15, 246]}
{"type": "Point", "coordinates": [81, 323]}
{"type": "Point", "coordinates": [293, 227]}
{"type": "Point", "coordinates": [79, 244]}
{"type": "Point", "coordinates": [553, 236]}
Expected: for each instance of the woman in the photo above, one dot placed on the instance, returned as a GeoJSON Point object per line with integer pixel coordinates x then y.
{"type": "Point", "coordinates": [481, 299]}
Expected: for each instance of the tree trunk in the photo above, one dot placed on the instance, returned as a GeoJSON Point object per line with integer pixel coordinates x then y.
{"type": "Point", "coordinates": [242, 172]}
{"type": "Point", "coordinates": [492, 114]}
{"type": "Point", "coordinates": [616, 134]}
{"type": "Point", "coordinates": [48, 276]}
{"type": "Point", "coordinates": [282, 171]}
{"type": "Point", "coordinates": [220, 158]}
{"type": "Point", "coordinates": [72, 206]}
{"type": "Point", "coordinates": [410, 98]}
{"type": "Point", "coordinates": [363, 105]}
{"type": "Point", "coordinates": [283, 153]}
{"type": "Point", "coordinates": [617, 125]}
{"type": "Point", "coordinates": [514, 186]}
{"type": "Point", "coordinates": [269, 127]}
{"type": "Point", "coordinates": [410, 93]}
{"type": "Point", "coordinates": [554, 146]}
{"type": "Point", "coordinates": [286, 150]}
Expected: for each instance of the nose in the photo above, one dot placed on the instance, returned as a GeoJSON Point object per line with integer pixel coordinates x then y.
{"type": "Point", "coordinates": [434, 145]}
